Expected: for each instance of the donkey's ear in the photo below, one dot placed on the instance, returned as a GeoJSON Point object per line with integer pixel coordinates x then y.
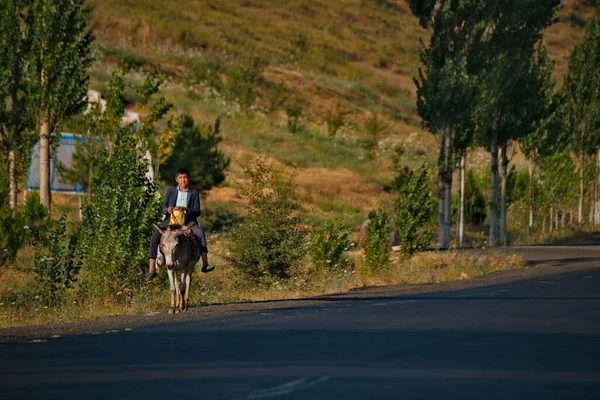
{"type": "Point", "coordinates": [159, 228]}
{"type": "Point", "coordinates": [182, 230]}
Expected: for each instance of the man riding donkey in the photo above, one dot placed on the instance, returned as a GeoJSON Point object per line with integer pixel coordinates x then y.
{"type": "Point", "coordinates": [181, 207]}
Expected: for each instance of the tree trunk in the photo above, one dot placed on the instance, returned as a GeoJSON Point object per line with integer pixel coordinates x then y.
{"type": "Point", "coordinates": [12, 177]}
{"type": "Point", "coordinates": [544, 225]}
{"type": "Point", "coordinates": [441, 192]}
{"type": "Point", "coordinates": [80, 207]}
{"type": "Point", "coordinates": [571, 217]}
{"type": "Point", "coordinates": [457, 231]}
{"type": "Point", "coordinates": [581, 167]}
{"type": "Point", "coordinates": [443, 168]}
{"type": "Point", "coordinates": [448, 189]}
{"type": "Point", "coordinates": [597, 200]}
{"type": "Point", "coordinates": [530, 199]}
{"type": "Point", "coordinates": [45, 198]}
{"type": "Point", "coordinates": [460, 228]}
{"type": "Point", "coordinates": [494, 183]}
{"type": "Point", "coordinates": [551, 220]}
{"type": "Point", "coordinates": [591, 216]}
{"type": "Point", "coordinates": [503, 194]}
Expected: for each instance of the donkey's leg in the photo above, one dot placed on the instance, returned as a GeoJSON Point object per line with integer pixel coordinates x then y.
{"type": "Point", "coordinates": [188, 283]}
{"type": "Point", "coordinates": [178, 305]}
{"type": "Point", "coordinates": [183, 288]}
{"type": "Point", "coordinates": [172, 282]}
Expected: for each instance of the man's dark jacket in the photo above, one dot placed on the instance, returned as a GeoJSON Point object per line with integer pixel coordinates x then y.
{"type": "Point", "coordinates": [193, 205]}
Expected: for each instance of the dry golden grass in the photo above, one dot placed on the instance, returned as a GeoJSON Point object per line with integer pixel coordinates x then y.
{"type": "Point", "coordinates": [436, 267]}
{"type": "Point", "coordinates": [317, 185]}
{"type": "Point", "coordinates": [561, 37]}
{"type": "Point", "coordinates": [216, 287]}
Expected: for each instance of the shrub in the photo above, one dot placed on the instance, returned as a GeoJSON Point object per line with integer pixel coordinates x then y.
{"type": "Point", "coordinates": [475, 203]}
{"type": "Point", "coordinates": [219, 219]}
{"type": "Point", "coordinates": [378, 247]}
{"type": "Point", "coordinates": [13, 235]}
{"type": "Point", "coordinates": [403, 172]}
{"type": "Point", "coordinates": [117, 218]}
{"type": "Point", "coordinates": [327, 245]}
{"type": "Point", "coordinates": [55, 269]}
{"type": "Point", "coordinates": [36, 217]}
{"type": "Point", "coordinates": [335, 118]}
{"type": "Point", "coordinates": [196, 149]}
{"type": "Point", "coordinates": [271, 239]}
{"type": "Point", "coordinates": [375, 126]}
{"type": "Point", "coordinates": [26, 224]}
{"type": "Point", "coordinates": [413, 213]}
{"type": "Point", "coordinates": [236, 79]}
{"type": "Point", "coordinates": [117, 221]}
{"type": "Point", "coordinates": [293, 109]}
{"type": "Point", "coordinates": [243, 78]}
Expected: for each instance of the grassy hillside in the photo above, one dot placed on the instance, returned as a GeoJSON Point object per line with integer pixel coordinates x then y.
{"type": "Point", "coordinates": [350, 62]}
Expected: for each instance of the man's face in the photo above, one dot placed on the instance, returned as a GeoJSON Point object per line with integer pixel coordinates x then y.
{"type": "Point", "coordinates": [182, 181]}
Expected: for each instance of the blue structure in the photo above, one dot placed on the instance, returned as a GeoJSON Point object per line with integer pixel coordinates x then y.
{"type": "Point", "coordinates": [63, 153]}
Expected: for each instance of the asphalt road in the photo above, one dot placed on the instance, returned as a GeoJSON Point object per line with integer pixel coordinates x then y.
{"type": "Point", "coordinates": [531, 339]}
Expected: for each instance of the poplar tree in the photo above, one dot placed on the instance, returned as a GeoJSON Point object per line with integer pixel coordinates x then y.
{"type": "Point", "coordinates": [545, 138]}
{"type": "Point", "coordinates": [58, 61]}
{"type": "Point", "coordinates": [16, 138]}
{"type": "Point", "coordinates": [444, 84]}
{"type": "Point", "coordinates": [529, 106]}
{"type": "Point", "coordinates": [513, 28]}
{"type": "Point", "coordinates": [582, 92]}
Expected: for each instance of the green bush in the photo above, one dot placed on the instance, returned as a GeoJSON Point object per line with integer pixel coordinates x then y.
{"type": "Point", "coordinates": [196, 149]}
{"type": "Point", "coordinates": [117, 221]}
{"type": "Point", "coordinates": [293, 109]}
{"type": "Point", "coordinates": [327, 245]}
{"type": "Point", "coordinates": [335, 118]}
{"type": "Point", "coordinates": [219, 219]}
{"type": "Point", "coordinates": [270, 241]}
{"type": "Point", "coordinates": [55, 269]}
{"type": "Point", "coordinates": [26, 224]}
{"type": "Point", "coordinates": [236, 79]}
{"type": "Point", "coordinates": [13, 234]}
{"type": "Point", "coordinates": [475, 202]}
{"type": "Point", "coordinates": [403, 172]}
{"type": "Point", "coordinates": [243, 79]}
{"type": "Point", "coordinates": [378, 246]}
{"type": "Point", "coordinates": [36, 216]}
{"type": "Point", "coordinates": [413, 212]}
{"type": "Point", "coordinates": [118, 216]}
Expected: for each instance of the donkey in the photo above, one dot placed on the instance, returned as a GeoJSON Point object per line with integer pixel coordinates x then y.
{"type": "Point", "coordinates": [179, 253]}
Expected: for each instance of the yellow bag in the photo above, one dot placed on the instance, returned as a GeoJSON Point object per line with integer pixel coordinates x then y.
{"type": "Point", "coordinates": [177, 218]}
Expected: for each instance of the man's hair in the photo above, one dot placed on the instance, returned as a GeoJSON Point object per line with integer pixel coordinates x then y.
{"type": "Point", "coordinates": [182, 171]}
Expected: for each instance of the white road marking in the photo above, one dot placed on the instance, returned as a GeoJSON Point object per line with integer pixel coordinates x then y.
{"type": "Point", "coordinates": [286, 388]}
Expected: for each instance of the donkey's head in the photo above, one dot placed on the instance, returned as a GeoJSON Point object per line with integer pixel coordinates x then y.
{"type": "Point", "coordinates": [170, 241]}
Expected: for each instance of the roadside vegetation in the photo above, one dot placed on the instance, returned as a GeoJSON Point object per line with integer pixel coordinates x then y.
{"type": "Point", "coordinates": [295, 123]}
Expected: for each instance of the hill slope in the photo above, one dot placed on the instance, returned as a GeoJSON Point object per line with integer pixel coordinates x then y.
{"type": "Point", "coordinates": [349, 63]}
